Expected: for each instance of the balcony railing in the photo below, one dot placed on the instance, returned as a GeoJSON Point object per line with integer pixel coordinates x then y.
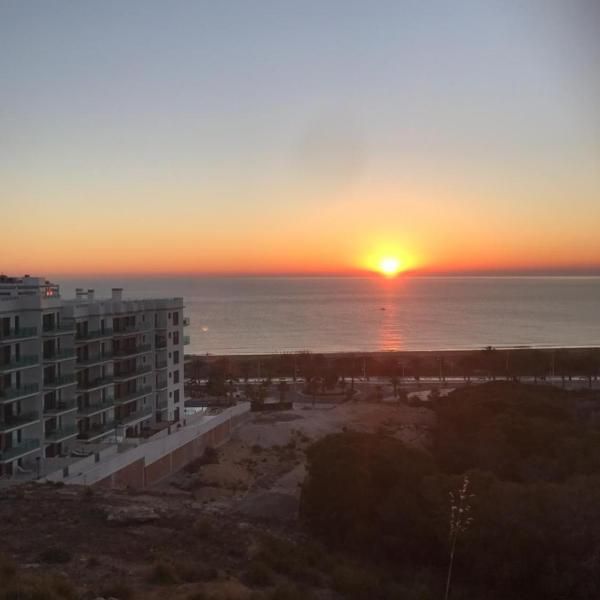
{"type": "Point", "coordinates": [13, 393]}
{"type": "Point", "coordinates": [19, 363]}
{"type": "Point", "coordinates": [132, 330]}
{"type": "Point", "coordinates": [97, 430]}
{"type": "Point", "coordinates": [60, 381]}
{"type": "Point", "coordinates": [54, 330]}
{"type": "Point", "coordinates": [60, 355]}
{"type": "Point", "coordinates": [134, 395]}
{"type": "Point", "coordinates": [18, 334]}
{"type": "Point", "coordinates": [131, 374]}
{"type": "Point", "coordinates": [16, 421]}
{"type": "Point", "coordinates": [87, 336]}
{"type": "Point", "coordinates": [135, 416]}
{"type": "Point", "coordinates": [92, 384]}
{"type": "Point", "coordinates": [61, 433]}
{"type": "Point", "coordinates": [60, 407]}
{"type": "Point", "coordinates": [98, 360]}
{"type": "Point", "coordinates": [161, 364]}
{"type": "Point", "coordinates": [93, 409]}
{"type": "Point", "coordinates": [127, 352]}
{"type": "Point", "coordinates": [161, 385]}
{"type": "Point", "coordinates": [18, 450]}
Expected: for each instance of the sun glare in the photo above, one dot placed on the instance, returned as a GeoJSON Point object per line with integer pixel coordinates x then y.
{"type": "Point", "coordinates": [389, 266]}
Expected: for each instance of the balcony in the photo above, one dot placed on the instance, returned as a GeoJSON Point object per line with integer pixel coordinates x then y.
{"type": "Point", "coordinates": [130, 352]}
{"type": "Point", "coordinates": [62, 433]}
{"type": "Point", "coordinates": [161, 385]}
{"type": "Point", "coordinates": [18, 334]}
{"type": "Point", "coordinates": [11, 394]}
{"type": "Point", "coordinates": [60, 381]}
{"type": "Point", "coordinates": [92, 362]}
{"type": "Point", "coordinates": [56, 330]}
{"type": "Point", "coordinates": [59, 356]}
{"type": "Point", "coordinates": [186, 340]}
{"type": "Point", "coordinates": [94, 384]}
{"type": "Point", "coordinates": [140, 393]}
{"type": "Point", "coordinates": [132, 374]}
{"type": "Point", "coordinates": [97, 431]}
{"type": "Point", "coordinates": [91, 336]}
{"type": "Point", "coordinates": [186, 321]}
{"type": "Point", "coordinates": [160, 344]}
{"type": "Point", "coordinates": [59, 408]}
{"type": "Point", "coordinates": [138, 415]}
{"type": "Point", "coordinates": [24, 362]}
{"type": "Point", "coordinates": [19, 421]}
{"type": "Point", "coordinates": [133, 330]}
{"type": "Point", "coordinates": [95, 409]}
{"type": "Point", "coordinates": [160, 365]}
{"type": "Point", "coordinates": [19, 450]}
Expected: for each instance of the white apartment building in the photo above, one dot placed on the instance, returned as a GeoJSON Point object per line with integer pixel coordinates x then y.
{"type": "Point", "coordinates": [84, 370]}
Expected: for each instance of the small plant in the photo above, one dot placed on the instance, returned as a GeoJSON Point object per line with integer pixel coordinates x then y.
{"type": "Point", "coordinates": [163, 573]}
{"type": "Point", "coordinates": [8, 569]}
{"type": "Point", "coordinates": [460, 521]}
{"type": "Point", "coordinates": [118, 589]}
{"type": "Point", "coordinates": [259, 574]}
{"type": "Point", "coordinates": [203, 527]}
{"type": "Point", "coordinates": [55, 555]}
{"type": "Point", "coordinates": [93, 562]}
{"type": "Point", "coordinates": [87, 492]}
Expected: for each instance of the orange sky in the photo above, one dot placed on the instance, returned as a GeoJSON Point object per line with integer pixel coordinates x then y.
{"type": "Point", "coordinates": [271, 138]}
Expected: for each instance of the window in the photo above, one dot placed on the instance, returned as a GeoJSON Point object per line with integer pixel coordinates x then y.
{"type": "Point", "coordinates": [175, 318]}
{"type": "Point", "coordinates": [176, 396]}
{"type": "Point", "coordinates": [176, 338]}
{"type": "Point", "coordinates": [175, 376]}
{"type": "Point", "coordinates": [176, 357]}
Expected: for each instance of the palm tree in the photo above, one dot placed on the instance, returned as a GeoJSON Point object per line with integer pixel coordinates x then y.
{"type": "Point", "coordinates": [283, 389]}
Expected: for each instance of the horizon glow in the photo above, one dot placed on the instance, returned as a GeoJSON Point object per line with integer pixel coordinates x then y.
{"type": "Point", "coordinates": [272, 138]}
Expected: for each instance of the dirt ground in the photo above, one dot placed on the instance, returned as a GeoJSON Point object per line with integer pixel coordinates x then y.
{"type": "Point", "coordinates": [199, 529]}
{"type": "Point", "coordinates": [260, 470]}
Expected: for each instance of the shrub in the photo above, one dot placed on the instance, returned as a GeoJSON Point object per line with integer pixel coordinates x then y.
{"type": "Point", "coordinates": [56, 555]}
{"type": "Point", "coordinates": [259, 574]}
{"type": "Point", "coordinates": [38, 587]}
{"type": "Point", "coordinates": [203, 527]}
{"type": "Point", "coordinates": [8, 569]}
{"type": "Point", "coordinates": [354, 582]}
{"type": "Point", "coordinates": [163, 573]}
{"type": "Point", "coordinates": [119, 589]}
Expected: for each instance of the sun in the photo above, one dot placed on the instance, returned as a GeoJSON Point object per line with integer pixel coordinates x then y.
{"type": "Point", "coordinates": [389, 266]}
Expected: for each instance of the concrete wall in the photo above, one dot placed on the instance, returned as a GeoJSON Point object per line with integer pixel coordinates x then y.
{"type": "Point", "coordinates": [149, 463]}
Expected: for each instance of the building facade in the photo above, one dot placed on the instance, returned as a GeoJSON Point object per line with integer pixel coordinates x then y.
{"type": "Point", "coordinates": [84, 370]}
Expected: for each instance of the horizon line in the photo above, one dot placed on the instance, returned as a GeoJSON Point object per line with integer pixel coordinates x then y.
{"type": "Point", "coordinates": [533, 272]}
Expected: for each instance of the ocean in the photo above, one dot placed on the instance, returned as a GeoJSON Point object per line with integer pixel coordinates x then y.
{"type": "Point", "coordinates": [247, 315]}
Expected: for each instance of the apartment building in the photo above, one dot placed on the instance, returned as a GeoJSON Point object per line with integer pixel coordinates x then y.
{"type": "Point", "coordinates": [85, 370]}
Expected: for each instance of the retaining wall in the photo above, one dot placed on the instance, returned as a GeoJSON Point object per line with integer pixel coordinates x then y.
{"type": "Point", "coordinates": [154, 460]}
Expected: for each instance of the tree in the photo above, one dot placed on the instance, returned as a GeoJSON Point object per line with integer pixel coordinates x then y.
{"type": "Point", "coordinates": [283, 388]}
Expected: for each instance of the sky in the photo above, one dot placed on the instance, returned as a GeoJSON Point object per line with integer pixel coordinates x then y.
{"type": "Point", "coordinates": [261, 137]}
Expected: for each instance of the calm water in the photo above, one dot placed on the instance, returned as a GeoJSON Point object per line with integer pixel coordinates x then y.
{"type": "Point", "coordinates": [247, 315]}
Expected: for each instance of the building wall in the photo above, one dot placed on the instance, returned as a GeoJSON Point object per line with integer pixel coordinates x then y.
{"type": "Point", "coordinates": [152, 461]}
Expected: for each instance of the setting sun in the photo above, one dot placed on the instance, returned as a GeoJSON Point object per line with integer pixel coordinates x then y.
{"type": "Point", "coordinates": [389, 266]}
